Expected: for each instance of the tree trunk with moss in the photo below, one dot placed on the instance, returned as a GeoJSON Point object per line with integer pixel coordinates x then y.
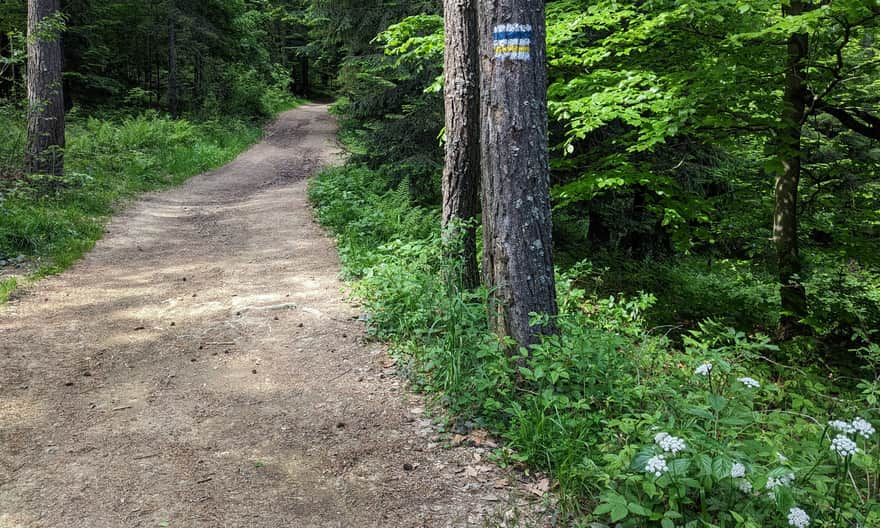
{"type": "Point", "coordinates": [45, 131]}
{"type": "Point", "coordinates": [517, 231]}
{"type": "Point", "coordinates": [461, 174]}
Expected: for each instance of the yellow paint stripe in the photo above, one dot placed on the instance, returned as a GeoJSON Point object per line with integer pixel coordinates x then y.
{"type": "Point", "coordinates": [512, 49]}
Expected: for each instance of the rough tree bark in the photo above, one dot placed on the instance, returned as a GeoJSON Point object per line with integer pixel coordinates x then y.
{"type": "Point", "coordinates": [173, 84]}
{"type": "Point", "coordinates": [785, 219]}
{"type": "Point", "coordinates": [517, 259]}
{"type": "Point", "coordinates": [461, 174]}
{"type": "Point", "coordinates": [7, 74]}
{"type": "Point", "coordinates": [45, 131]}
{"type": "Point", "coordinates": [305, 83]}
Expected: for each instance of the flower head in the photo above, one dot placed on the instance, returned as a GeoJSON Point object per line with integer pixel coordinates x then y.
{"type": "Point", "coordinates": [669, 443]}
{"type": "Point", "coordinates": [841, 426]}
{"type": "Point", "coordinates": [750, 382]}
{"type": "Point", "coordinates": [863, 427]}
{"type": "Point", "coordinates": [798, 518]}
{"type": "Point", "coordinates": [656, 465]}
{"type": "Point", "coordinates": [775, 482]}
{"type": "Point", "coordinates": [843, 446]}
{"type": "Point", "coordinates": [738, 470]}
{"type": "Point", "coordinates": [745, 486]}
{"type": "Point", "coordinates": [704, 369]}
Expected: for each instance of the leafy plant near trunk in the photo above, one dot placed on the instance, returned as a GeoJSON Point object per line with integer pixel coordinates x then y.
{"type": "Point", "coordinates": [592, 404]}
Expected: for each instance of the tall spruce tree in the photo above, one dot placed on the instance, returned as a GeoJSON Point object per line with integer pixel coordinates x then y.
{"type": "Point", "coordinates": [461, 175]}
{"type": "Point", "coordinates": [517, 259]}
{"type": "Point", "coordinates": [45, 131]}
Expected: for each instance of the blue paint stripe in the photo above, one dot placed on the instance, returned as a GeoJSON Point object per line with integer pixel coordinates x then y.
{"type": "Point", "coordinates": [513, 35]}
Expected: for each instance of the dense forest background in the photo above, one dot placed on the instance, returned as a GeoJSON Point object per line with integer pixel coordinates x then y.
{"type": "Point", "coordinates": [670, 126]}
{"type": "Point", "coordinates": [667, 136]}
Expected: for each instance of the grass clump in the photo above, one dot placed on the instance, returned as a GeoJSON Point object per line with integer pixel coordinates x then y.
{"type": "Point", "coordinates": [7, 286]}
{"type": "Point", "coordinates": [109, 158]}
{"type": "Point", "coordinates": [637, 428]}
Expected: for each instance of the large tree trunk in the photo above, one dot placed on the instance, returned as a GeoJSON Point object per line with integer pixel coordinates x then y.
{"type": "Point", "coordinates": [785, 218]}
{"type": "Point", "coordinates": [461, 175]}
{"type": "Point", "coordinates": [45, 132]}
{"type": "Point", "coordinates": [517, 259]}
{"type": "Point", "coordinates": [173, 85]}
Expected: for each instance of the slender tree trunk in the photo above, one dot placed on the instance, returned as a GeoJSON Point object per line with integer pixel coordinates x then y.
{"type": "Point", "coordinates": [461, 175]}
{"type": "Point", "coordinates": [148, 67]}
{"type": "Point", "coordinates": [517, 259]}
{"type": "Point", "coordinates": [785, 218]}
{"type": "Point", "coordinates": [304, 76]}
{"type": "Point", "coordinates": [197, 80]}
{"type": "Point", "coordinates": [45, 132]}
{"type": "Point", "coordinates": [7, 78]}
{"type": "Point", "coordinates": [173, 87]}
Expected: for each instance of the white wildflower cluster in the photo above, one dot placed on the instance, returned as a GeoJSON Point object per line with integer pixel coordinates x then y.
{"type": "Point", "coordinates": [738, 470]}
{"type": "Point", "coordinates": [863, 427]}
{"type": "Point", "coordinates": [841, 426]}
{"type": "Point", "coordinates": [749, 382]}
{"type": "Point", "coordinates": [775, 482]}
{"type": "Point", "coordinates": [656, 465]}
{"type": "Point", "coordinates": [843, 446]}
{"type": "Point", "coordinates": [745, 486]}
{"type": "Point", "coordinates": [798, 518]}
{"type": "Point", "coordinates": [670, 444]}
{"type": "Point", "coordinates": [703, 370]}
{"type": "Point", "coordinates": [858, 426]}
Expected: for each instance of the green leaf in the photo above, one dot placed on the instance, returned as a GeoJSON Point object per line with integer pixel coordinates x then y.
{"type": "Point", "coordinates": [721, 468]}
{"type": "Point", "coordinates": [704, 462]}
{"type": "Point", "coordinates": [718, 403]}
{"type": "Point", "coordinates": [638, 509]}
{"type": "Point", "coordinates": [619, 512]}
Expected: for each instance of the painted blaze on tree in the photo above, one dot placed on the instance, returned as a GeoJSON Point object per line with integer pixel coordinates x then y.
{"type": "Point", "coordinates": [517, 259]}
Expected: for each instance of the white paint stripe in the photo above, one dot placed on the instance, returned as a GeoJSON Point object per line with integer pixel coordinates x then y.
{"type": "Point", "coordinates": [513, 56]}
{"type": "Point", "coordinates": [513, 42]}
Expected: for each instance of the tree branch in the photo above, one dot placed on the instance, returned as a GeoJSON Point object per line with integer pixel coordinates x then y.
{"type": "Point", "coordinates": [858, 121]}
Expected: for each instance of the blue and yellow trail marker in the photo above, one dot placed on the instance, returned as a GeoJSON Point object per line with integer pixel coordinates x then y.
{"type": "Point", "coordinates": [513, 42]}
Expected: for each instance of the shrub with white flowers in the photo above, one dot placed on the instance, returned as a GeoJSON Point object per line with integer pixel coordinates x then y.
{"type": "Point", "coordinates": [657, 466]}
{"type": "Point", "coordinates": [730, 470]}
{"type": "Point", "coordinates": [842, 426]}
{"type": "Point", "coordinates": [670, 444]}
{"type": "Point", "coordinates": [863, 427]}
{"type": "Point", "coordinates": [703, 370]}
{"type": "Point", "coordinates": [738, 470]}
{"type": "Point", "coordinates": [798, 518]}
{"type": "Point", "coordinates": [749, 382]}
{"type": "Point", "coordinates": [843, 446]}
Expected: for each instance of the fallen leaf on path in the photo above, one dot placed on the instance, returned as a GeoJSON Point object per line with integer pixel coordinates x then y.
{"type": "Point", "coordinates": [540, 488]}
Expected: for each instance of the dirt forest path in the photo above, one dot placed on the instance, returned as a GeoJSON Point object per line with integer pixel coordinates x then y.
{"type": "Point", "coordinates": [201, 368]}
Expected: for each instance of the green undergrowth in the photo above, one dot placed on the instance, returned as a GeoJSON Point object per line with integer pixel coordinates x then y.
{"type": "Point", "coordinates": [109, 158]}
{"type": "Point", "coordinates": [636, 429]}
{"type": "Point", "coordinates": [7, 286]}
